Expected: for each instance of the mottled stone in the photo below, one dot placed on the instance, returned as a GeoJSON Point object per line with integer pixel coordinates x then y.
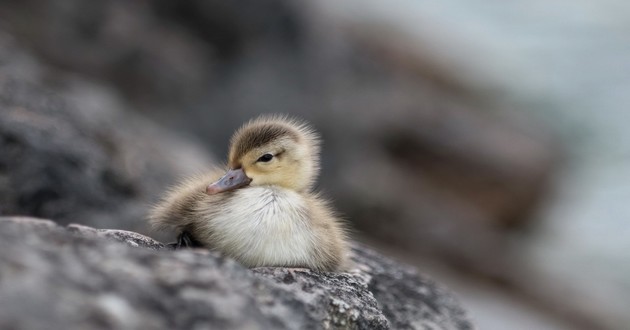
{"type": "Point", "coordinates": [131, 238]}
{"type": "Point", "coordinates": [80, 277]}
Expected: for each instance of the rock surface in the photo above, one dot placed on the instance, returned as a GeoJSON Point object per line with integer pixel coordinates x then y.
{"type": "Point", "coordinates": [68, 278]}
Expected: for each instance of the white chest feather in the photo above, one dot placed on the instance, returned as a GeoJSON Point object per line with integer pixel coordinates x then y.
{"type": "Point", "coordinates": [264, 226]}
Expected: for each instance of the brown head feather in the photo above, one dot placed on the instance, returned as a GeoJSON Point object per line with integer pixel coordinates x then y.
{"type": "Point", "coordinates": [257, 135]}
{"type": "Point", "coordinates": [265, 129]}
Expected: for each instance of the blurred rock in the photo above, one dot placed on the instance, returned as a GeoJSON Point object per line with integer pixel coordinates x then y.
{"type": "Point", "coordinates": [71, 149]}
{"type": "Point", "coordinates": [78, 281]}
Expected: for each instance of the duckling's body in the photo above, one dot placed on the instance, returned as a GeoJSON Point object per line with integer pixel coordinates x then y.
{"type": "Point", "coordinates": [262, 212]}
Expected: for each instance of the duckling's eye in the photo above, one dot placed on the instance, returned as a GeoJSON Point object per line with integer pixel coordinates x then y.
{"type": "Point", "coordinates": [265, 158]}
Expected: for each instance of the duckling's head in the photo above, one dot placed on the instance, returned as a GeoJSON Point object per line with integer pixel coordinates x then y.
{"type": "Point", "coordinates": [271, 150]}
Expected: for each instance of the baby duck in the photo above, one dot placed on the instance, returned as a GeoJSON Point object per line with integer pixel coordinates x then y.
{"type": "Point", "coordinates": [262, 212]}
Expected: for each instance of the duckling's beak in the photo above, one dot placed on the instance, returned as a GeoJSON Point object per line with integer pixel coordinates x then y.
{"type": "Point", "coordinates": [233, 179]}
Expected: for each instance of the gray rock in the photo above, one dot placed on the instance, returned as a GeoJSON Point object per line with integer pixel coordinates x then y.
{"type": "Point", "coordinates": [125, 236]}
{"type": "Point", "coordinates": [83, 278]}
{"type": "Point", "coordinates": [72, 150]}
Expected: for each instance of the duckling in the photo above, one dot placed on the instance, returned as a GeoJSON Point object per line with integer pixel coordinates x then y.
{"type": "Point", "coordinates": [262, 211]}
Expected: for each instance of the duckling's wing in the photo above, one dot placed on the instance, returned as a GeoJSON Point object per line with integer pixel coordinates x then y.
{"type": "Point", "coordinates": [332, 252]}
{"type": "Point", "coordinates": [177, 209]}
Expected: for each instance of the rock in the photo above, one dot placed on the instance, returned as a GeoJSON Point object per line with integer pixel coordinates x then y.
{"type": "Point", "coordinates": [81, 277]}
{"type": "Point", "coordinates": [71, 149]}
{"type": "Point", "coordinates": [125, 236]}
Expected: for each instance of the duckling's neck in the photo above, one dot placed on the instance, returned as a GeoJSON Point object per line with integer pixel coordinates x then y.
{"type": "Point", "coordinates": [264, 225]}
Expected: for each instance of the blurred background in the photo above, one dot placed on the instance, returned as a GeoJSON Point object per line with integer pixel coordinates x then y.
{"type": "Point", "coordinates": [484, 143]}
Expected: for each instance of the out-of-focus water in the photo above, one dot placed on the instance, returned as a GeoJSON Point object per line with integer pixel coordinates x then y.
{"type": "Point", "coordinates": [568, 62]}
{"type": "Point", "coordinates": [577, 56]}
